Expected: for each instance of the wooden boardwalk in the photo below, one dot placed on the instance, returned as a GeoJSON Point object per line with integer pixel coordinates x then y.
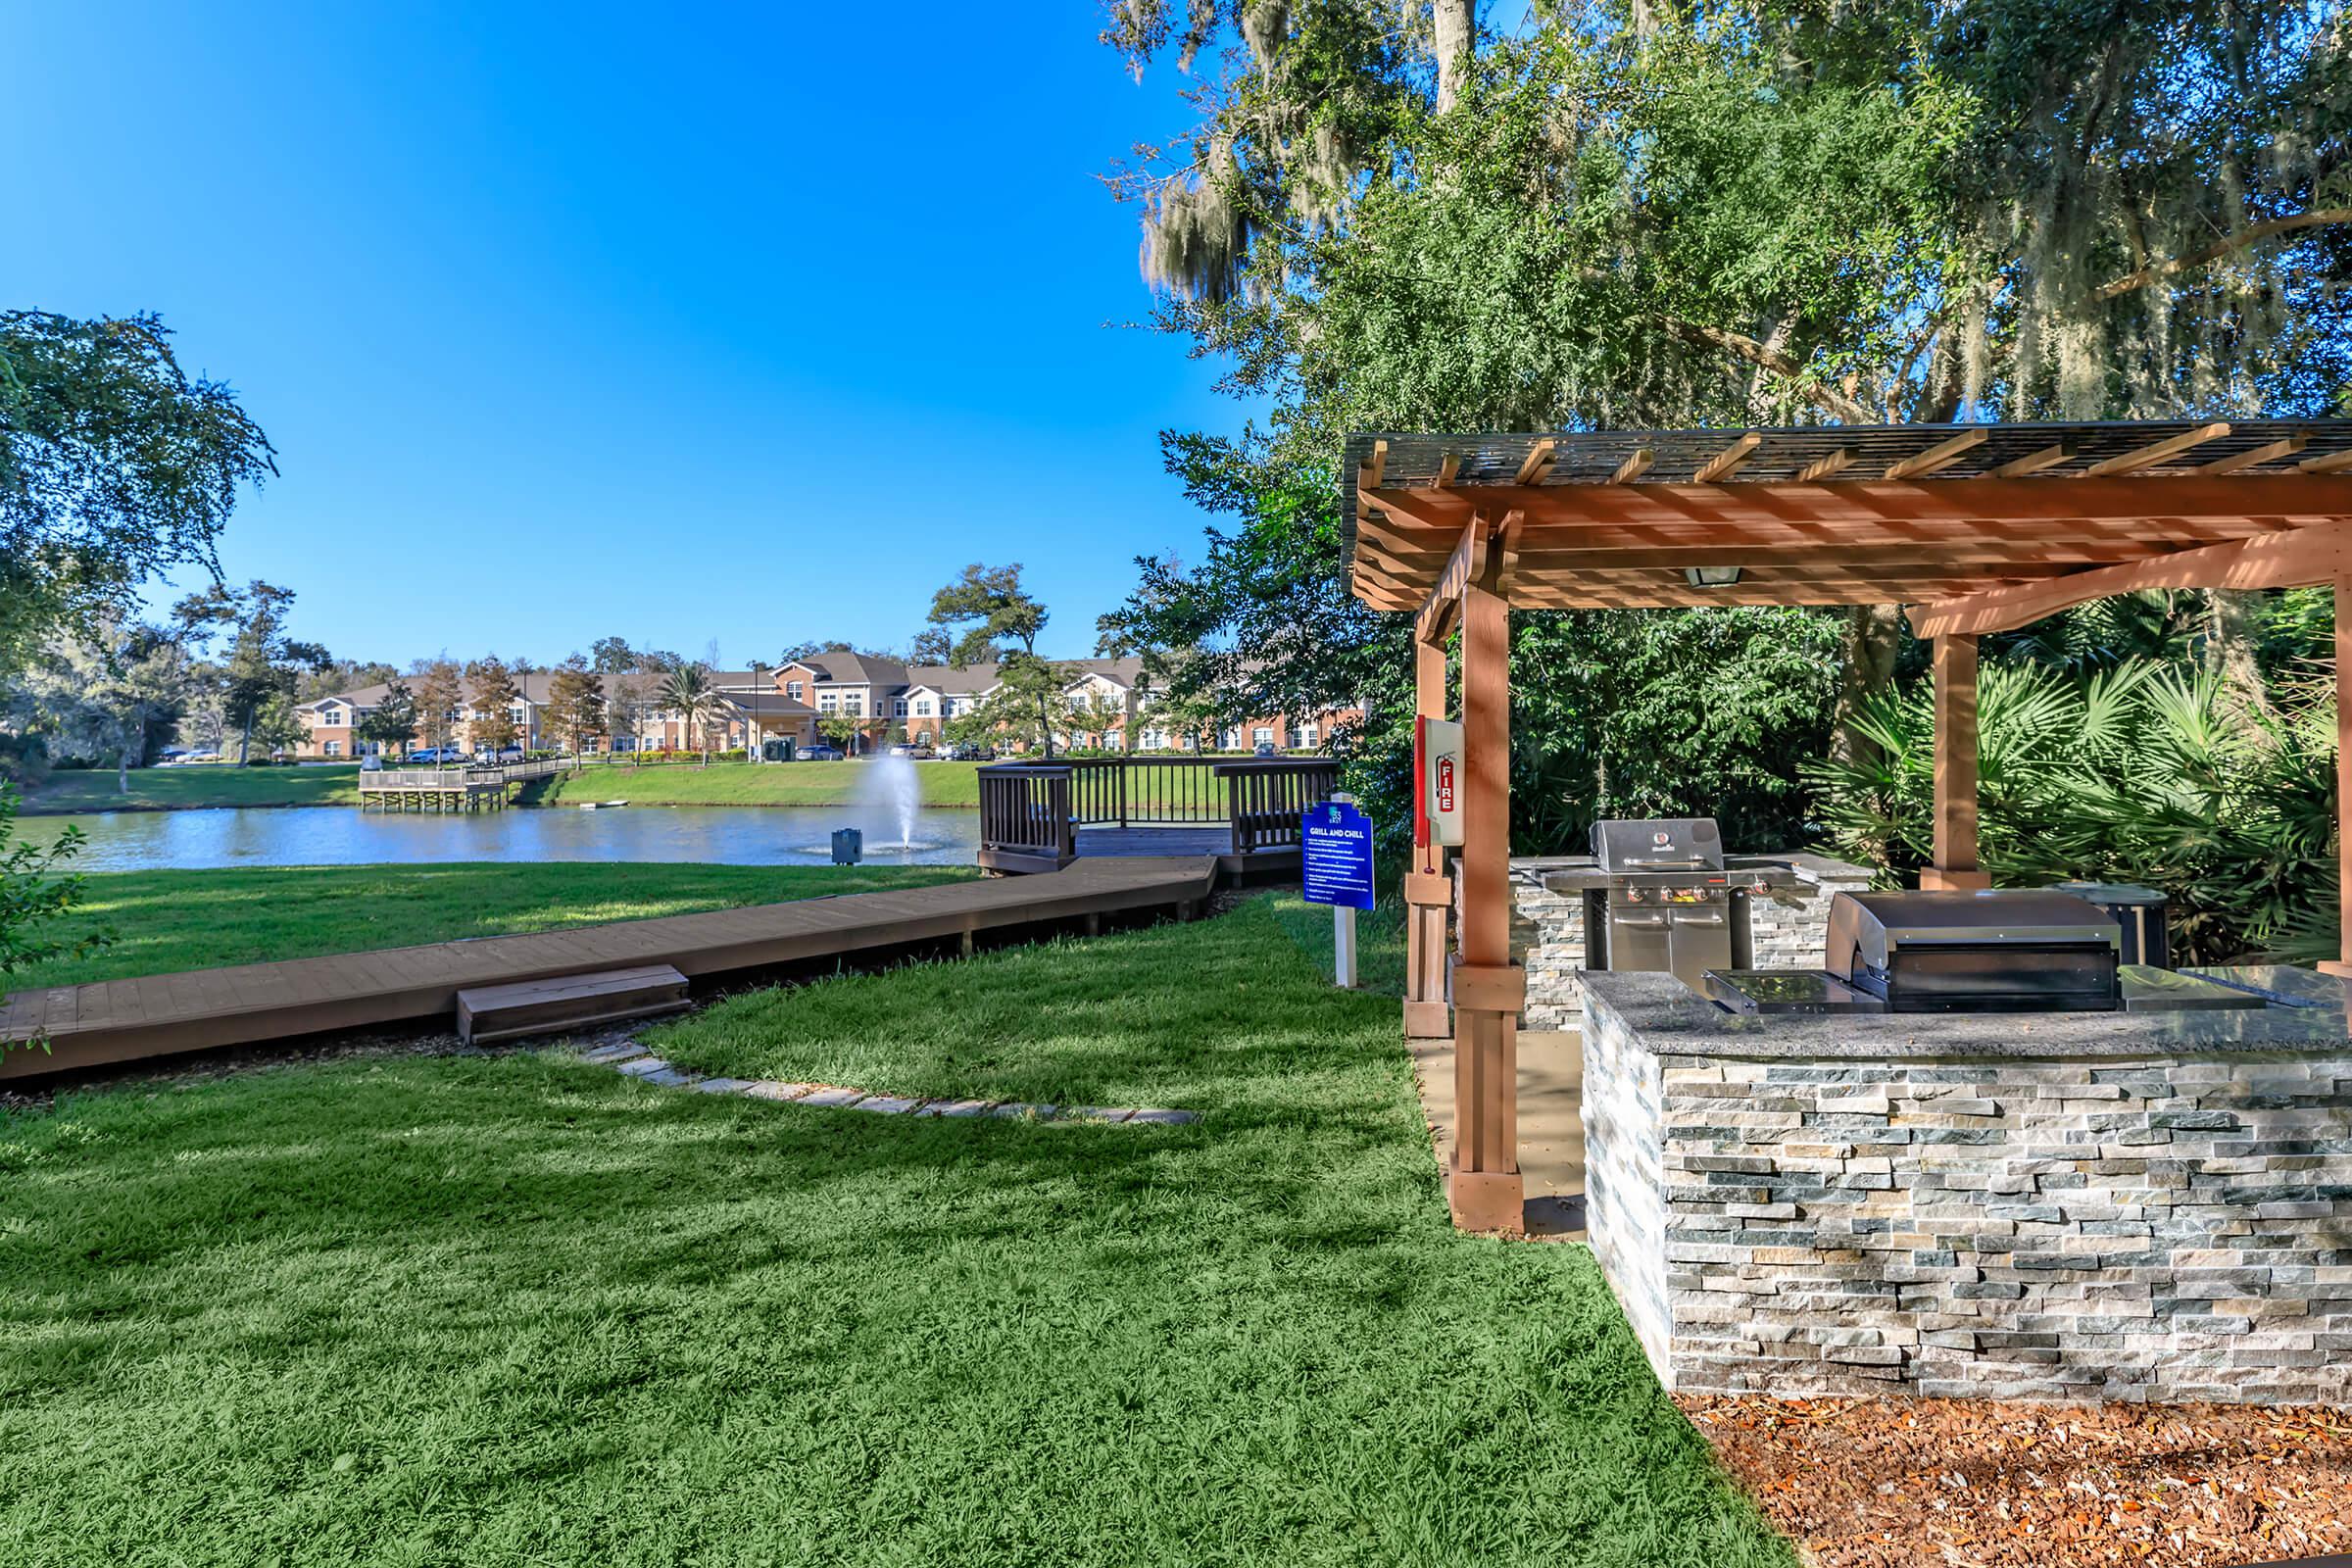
{"type": "Point", "coordinates": [1277, 863]}
{"type": "Point", "coordinates": [125, 1020]}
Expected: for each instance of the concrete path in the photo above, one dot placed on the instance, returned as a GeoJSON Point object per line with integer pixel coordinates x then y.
{"type": "Point", "coordinates": [1552, 1131]}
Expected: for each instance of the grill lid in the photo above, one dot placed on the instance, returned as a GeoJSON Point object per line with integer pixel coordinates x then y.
{"type": "Point", "coordinates": [1667, 844]}
{"type": "Point", "coordinates": [1867, 928]}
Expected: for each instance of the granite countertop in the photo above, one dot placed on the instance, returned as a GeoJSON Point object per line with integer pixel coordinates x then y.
{"type": "Point", "coordinates": [1674, 1020]}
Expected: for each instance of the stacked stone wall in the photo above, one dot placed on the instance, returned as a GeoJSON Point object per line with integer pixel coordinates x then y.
{"type": "Point", "coordinates": [2000, 1226]}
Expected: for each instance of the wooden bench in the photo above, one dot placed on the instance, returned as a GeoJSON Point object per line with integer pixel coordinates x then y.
{"type": "Point", "coordinates": [546, 1006]}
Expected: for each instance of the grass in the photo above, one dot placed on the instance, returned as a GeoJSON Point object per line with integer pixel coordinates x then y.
{"type": "Point", "coordinates": [195, 785]}
{"type": "Point", "coordinates": [166, 921]}
{"type": "Point", "coordinates": [952, 784]}
{"type": "Point", "coordinates": [520, 1310]}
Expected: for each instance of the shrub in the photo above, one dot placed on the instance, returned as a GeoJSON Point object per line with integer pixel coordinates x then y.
{"type": "Point", "coordinates": [2146, 772]}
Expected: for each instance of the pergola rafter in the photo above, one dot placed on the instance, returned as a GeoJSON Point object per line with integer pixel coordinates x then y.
{"type": "Point", "coordinates": [1975, 529]}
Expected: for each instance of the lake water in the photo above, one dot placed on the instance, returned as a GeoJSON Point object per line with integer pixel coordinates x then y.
{"type": "Point", "coordinates": [329, 835]}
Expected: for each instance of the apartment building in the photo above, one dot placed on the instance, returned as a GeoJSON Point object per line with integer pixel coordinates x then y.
{"type": "Point", "coordinates": [751, 705]}
{"type": "Point", "coordinates": [1107, 705]}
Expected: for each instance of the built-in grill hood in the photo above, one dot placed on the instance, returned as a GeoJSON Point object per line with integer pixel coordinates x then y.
{"type": "Point", "coordinates": [1670, 843]}
{"type": "Point", "coordinates": [2005, 951]}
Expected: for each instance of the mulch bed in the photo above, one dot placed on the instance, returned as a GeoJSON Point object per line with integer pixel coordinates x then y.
{"type": "Point", "coordinates": [1867, 1483]}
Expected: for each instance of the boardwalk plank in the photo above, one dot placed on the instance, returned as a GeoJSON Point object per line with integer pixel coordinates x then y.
{"type": "Point", "coordinates": [158, 1014]}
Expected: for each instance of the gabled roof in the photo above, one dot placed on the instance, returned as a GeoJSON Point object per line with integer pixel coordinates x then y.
{"type": "Point", "coordinates": [856, 669]}
{"type": "Point", "coordinates": [948, 680]}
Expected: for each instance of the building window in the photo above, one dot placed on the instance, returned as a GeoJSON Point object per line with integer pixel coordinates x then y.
{"type": "Point", "coordinates": [854, 704]}
{"type": "Point", "coordinates": [334, 748]}
{"type": "Point", "coordinates": [1261, 736]}
{"type": "Point", "coordinates": [793, 690]}
{"type": "Point", "coordinates": [1306, 735]}
{"type": "Point", "coordinates": [898, 708]}
{"type": "Point", "coordinates": [826, 702]}
{"type": "Point", "coordinates": [515, 715]}
{"type": "Point", "coordinates": [923, 708]}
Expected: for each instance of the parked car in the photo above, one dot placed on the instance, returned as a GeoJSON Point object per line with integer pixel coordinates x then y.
{"type": "Point", "coordinates": [821, 752]}
{"type": "Point", "coordinates": [435, 756]}
{"type": "Point", "coordinates": [907, 748]}
{"type": "Point", "coordinates": [967, 752]}
{"type": "Point", "coordinates": [487, 757]}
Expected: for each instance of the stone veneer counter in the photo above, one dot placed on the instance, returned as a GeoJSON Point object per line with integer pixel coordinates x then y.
{"type": "Point", "coordinates": [2063, 1205]}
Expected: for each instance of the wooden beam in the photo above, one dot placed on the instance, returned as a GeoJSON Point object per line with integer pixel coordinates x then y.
{"type": "Point", "coordinates": [1463, 571]}
{"type": "Point", "coordinates": [1375, 467]}
{"type": "Point", "coordinates": [2300, 559]}
{"type": "Point", "coordinates": [1824, 467]}
{"type": "Point", "coordinates": [1723, 465]}
{"type": "Point", "coordinates": [1484, 1188]}
{"type": "Point", "coordinates": [1635, 467]}
{"type": "Point", "coordinates": [1955, 822]}
{"type": "Point", "coordinates": [2267, 452]}
{"type": "Point", "coordinates": [1538, 457]}
{"type": "Point", "coordinates": [2048, 457]}
{"type": "Point", "coordinates": [1502, 563]}
{"type": "Point", "coordinates": [2328, 462]}
{"type": "Point", "coordinates": [2155, 452]}
{"type": "Point", "coordinates": [1448, 467]}
{"type": "Point", "coordinates": [1975, 503]}
{"type": "Point", "coordinates": [1426, 1015]}
{"type": "Point", "coordinates": [1942, 454]}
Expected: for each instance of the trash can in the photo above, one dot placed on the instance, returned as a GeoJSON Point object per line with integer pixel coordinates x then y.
{"type": "Point", "coordinates": [2140, 911]}
{"type": "Point", "coordinates": [849, 846]}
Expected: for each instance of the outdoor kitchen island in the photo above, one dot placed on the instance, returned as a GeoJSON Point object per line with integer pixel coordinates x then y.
{"type": "Point", "coordinates": [2148, 1205]}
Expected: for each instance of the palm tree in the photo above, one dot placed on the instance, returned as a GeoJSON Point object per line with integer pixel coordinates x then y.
{"type": "Point", "coordinates": [688, 692]}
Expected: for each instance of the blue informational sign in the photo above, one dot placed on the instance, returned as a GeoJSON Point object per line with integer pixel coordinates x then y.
{"type": "Point", "coordinates": [1335, 854]}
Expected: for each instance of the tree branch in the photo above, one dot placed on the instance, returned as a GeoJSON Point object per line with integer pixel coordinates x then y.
{"type": "Point", "coordinates": [2253, 234]}
{"type": "Point", "coordinates": [1770, 359]}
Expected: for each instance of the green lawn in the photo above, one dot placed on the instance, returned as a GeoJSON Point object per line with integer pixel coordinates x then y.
{"type": "Point", "coordinates": [193, 785]}
{"type": "Point", "coordinates": [171, 920]}
{"type": "Point", "coordinates": [747, 784]}
{"type": "Point", "coordinates": [520, 1310]}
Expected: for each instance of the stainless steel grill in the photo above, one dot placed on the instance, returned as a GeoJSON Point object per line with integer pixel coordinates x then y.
{"type": "Point", "coordinates": [1668, 900]}
{"type": "Point", "coordinates": [2007, 950]}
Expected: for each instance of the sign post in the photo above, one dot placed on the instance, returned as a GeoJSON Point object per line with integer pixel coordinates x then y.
{"type": "Point", "coordinates": [1336, 865]}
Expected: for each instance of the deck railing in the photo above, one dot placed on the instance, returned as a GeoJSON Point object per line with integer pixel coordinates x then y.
{"type": "Point", "coordinates": [1267, 797]}
{"type": "Point", "coordinates": [1025, 813]}
{"type": "Point", "coordinates": [461, 776]}
{"type": "Point", "coordinates": [1030, 813]}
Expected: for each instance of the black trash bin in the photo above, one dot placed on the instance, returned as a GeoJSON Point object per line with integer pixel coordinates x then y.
{"type": "Point", "coordinates": [2140, 911]}
{"type": "Point", "coordinates": [849, 846]}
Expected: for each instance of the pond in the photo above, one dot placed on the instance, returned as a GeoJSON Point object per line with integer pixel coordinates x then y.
{"type": "Point", "coordinates": [142, 841]}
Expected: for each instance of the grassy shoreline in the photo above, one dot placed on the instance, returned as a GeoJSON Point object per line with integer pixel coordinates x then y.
{"type": "Point", "coordinates": [948, 786]}
{"type": "Point", "coordinates": [169, 922]}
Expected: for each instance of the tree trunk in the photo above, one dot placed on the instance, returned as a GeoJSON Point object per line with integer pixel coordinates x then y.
{"type": "Point", "coordinates": [2235, 616]}
{"type": "Point", "coordinates": [1874, 634]}
{"type": "Point", "coordinates": [1454, 36]}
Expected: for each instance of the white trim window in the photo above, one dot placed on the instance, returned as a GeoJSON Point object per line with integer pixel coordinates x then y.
{"type": "Point", "coordinates": [827, 701]}
{"type": "Point", "coordinates": [793, 690]}
{"type": "Point", "coordinates": [334, 748]}
{"type": "Point", "coordinates": [923, 708]}
{"type": "Point", "coordinates": [898, 708]}
{"type": "Point", "coordinates": [1305, 736]}
{"type": "Point", "coordinates": [1263, 735]}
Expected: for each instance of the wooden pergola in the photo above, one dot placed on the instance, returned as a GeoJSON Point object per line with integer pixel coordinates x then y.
{"type": "Point", "coordinates": [1974, 528]}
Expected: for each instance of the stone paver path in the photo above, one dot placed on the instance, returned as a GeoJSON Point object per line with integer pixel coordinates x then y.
{"type": "Point", "coordinates": [629, 1057]}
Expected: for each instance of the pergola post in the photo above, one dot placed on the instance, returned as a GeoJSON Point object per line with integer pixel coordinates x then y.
{"type": "Point", "coordinates": [1428, 890]}
{"type": "Point", "coordinates": [1483, 1189]}
{"type": "Point", "coordinates": [1955, 846]}
{"type": "Point", "coordinates": [2342, 964]}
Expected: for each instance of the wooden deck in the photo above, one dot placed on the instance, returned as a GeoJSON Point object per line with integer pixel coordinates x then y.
{"type": "Point", "coordinates": [1278, 862]}
{"type": "Point", "coordinates": [125, 1020]}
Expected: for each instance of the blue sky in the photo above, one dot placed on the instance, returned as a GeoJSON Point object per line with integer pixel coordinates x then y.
{"type": "Point", "coordinates": [678, 325]}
